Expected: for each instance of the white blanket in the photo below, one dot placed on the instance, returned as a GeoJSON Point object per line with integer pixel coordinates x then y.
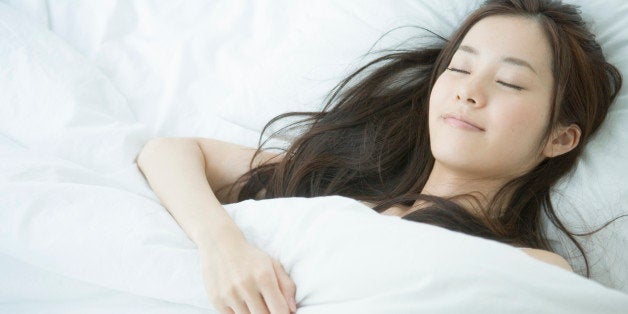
{"type": "Point", "coordinates": [344, 257]}
{"type": "Point", "coordinates": [81, 232]}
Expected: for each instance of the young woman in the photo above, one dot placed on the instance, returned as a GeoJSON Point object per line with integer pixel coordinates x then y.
{"type": "Point", "coordinates": [470, 135]}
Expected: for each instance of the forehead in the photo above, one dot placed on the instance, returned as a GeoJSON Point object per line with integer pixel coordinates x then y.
{"type": "Point", "coordinates": [511, 36]}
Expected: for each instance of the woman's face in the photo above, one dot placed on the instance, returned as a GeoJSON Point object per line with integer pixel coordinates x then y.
{"type": "Point", "coordinates": [489, 110]}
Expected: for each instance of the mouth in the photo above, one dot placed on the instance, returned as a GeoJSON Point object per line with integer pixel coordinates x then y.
{"type": "Point", "coordinates": [461, 122]}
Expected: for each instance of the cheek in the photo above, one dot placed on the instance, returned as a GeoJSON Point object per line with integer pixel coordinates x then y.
{"type": "Point", "coordinates": [438, 96]}
{"type": "Point", "coordinates": [522, 122]}
{"type": "Point", "coordinates": [440, 88]}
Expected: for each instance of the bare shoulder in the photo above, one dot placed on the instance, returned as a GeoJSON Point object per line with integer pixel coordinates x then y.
{"type": "Point", "coordinates": [548, 257]}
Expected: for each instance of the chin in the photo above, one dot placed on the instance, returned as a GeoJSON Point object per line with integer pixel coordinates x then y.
{"type": "Point", "coordinates": [459, 165]}
{"type": "Point", "coordinates": [463, 160]}
{"type": "Point", "coordinates": [454, 146]}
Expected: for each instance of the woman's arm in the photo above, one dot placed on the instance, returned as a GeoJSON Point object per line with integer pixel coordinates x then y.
{"type": "Point", "coordinates": [238, 276]}
{"type": "Point", "coordinates": [175, 170]}
{"type": "Point", "coordinates": [185, 172]}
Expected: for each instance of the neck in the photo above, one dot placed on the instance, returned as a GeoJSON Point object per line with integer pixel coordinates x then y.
{"type": "Point", "coordinates": [445, 182]}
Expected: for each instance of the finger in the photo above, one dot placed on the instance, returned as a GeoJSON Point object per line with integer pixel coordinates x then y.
{"type": "Point", "coordinates": [272, 295]}
{"type": "Point", "coordinates": [239, 307]}
{"type": "Point", "coordinates": [286, 285]}
{"type": "Point", "coordinates": [220, 306]}
{"type": "Point", "coordinates": [225, 310]}
{"type": "Point", "coordinates": [254, 302]}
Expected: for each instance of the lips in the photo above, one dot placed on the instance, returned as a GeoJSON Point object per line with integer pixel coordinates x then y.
{"type": "Point", "coordinates": [461, 121]}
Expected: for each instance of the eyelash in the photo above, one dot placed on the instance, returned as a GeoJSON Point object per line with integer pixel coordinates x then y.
{"type": "Point", "coordinates": [519, 88]}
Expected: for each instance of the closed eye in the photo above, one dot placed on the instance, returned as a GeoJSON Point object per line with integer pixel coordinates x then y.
{"type": "Point", "coordinates": [458, 70]}
{"type": "Point", "coordinates": [510, 85]}
{"type": "Point", "coordinates": [516, 87]}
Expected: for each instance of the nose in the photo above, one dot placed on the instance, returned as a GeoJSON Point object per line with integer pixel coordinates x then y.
{"type": "Point", "coordinates": [470, 93]}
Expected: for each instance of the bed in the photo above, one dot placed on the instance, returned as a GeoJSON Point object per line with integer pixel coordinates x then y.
{"type": "Point", "coordinates": [84, 85]}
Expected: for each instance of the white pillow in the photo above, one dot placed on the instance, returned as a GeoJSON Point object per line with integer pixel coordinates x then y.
{"type": "Point", "coordinates": [596, 191]}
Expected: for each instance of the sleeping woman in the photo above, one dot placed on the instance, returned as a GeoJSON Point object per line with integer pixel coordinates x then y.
{"type": "Point", "coordinates": [469, 134]}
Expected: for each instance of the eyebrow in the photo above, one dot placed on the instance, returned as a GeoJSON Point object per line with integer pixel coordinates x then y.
{"type": "Point", "coordinates": [510, 60]}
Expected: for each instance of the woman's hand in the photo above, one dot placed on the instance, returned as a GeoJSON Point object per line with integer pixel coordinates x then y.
{"type": "Point", "coordinates": [240, 278]}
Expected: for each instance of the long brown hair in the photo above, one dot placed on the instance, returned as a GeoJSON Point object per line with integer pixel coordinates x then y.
{"type": "Point", "coordinates": [371, 140]}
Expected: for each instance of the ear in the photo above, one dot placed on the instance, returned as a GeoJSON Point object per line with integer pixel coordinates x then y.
{"type": "Point", "coordinates": [562, 140]}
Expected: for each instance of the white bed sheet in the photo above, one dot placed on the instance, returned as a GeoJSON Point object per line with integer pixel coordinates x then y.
{"type": "Point", "coordinates": [115, 74]}
{"type": "Point", "coordinates": [222, 69]}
